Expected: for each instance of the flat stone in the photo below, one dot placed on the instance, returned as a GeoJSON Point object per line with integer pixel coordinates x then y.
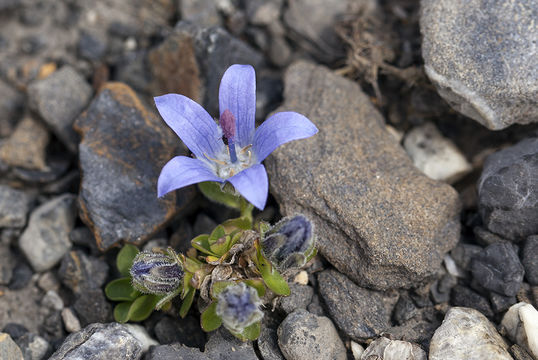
{"type": "Point", "coordinates": [507, 196]}
{"type": "Point", "coordinates": [46, 239]}
{"type": "Point", "coordinates": [386, 349]}
{"type": "Point", "coordinates": [123, 149]}
{"type": "Point", "coordinates": [379, 220]}
{"type": "Point", "coordinates": [314, 22]}
{"type": "Point", "coordinates": [100, 342]}
{"type": "Point", "coordinates": [357, 311]}
{"type": "Point", "coordinates": [26, 147]}
{"type": "Point", "coordinates": [481, 57]}
{"type": "Point", "coordinates": [529, 259]}
{"type": "Point", "coordinates": [302, 334]}
{"type": "Point", "coordinates": [222, 345]}
{"type": "Point", "coordinates": [9, 349]}
{"type": "Point", "coordinates": [175, 352]}
{"type": "Point", "coordinates": [81, 272]}
{"type": "Point", "coordinates": [436, 156]}
{"type": "Point", "coordinates": [59, 99]}
{"type": "Point", "coordinates": [466, 334]}
{"type": "Point", "coordinates": [14, 207]}
{"type": "Point", "coordinates": [497, 268]}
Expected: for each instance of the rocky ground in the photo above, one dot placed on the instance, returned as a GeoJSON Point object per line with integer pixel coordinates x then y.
{"type": "Point", "coordinates": [422, 181]}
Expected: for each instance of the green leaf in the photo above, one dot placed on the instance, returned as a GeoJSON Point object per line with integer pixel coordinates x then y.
{"type": "Point", "coordinates": [251, 332]}
{"type": "Point", "coordinates": [187, 302]}
{"type": "Point", "coordinates": [256, 284]}
{"type": "Point", "coordinates": [218, 286]}
{"type": "Point", "coordinates": [201, 242]}
{"type": "Point", "coordinates": [210, 320]}
{"type": "Point", "coordinates": [121, 312]}
{"type": "Point", "coordinates": [213, 192]}
{"type": "Point", "coordinates": [217, 233]}
{"type": "Point", "coordinates": [270, 275]}
{"type": "Point", "coordinates": [121, 290]}
{"type": "Point", "coordinates": [311, 253]}
{"type": "Point", "coordinates": [142, 307]}
{"type": "Point", "coordinates": [243, 223]}
{"type": "Point", "coordinates": [221, 245]}
{"type": "Point", "coordinates": [125, 258]}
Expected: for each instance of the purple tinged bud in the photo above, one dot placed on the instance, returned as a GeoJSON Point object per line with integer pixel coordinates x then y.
{"type": "Point", "coordinates": [156, 273]}
{"type": "Point", "coordinates": [289, 243]}
{"type": "Point", "coordinates": [227, 124]}
{"type": "Point", "coordinates": [239, 307]}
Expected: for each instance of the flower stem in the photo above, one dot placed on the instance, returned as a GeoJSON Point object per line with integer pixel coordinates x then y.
{"type": "Point", "coordinates": [246, 208]}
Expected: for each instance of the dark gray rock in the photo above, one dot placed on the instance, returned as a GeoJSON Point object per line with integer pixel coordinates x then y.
{"type": "Point", "coordinates": [463, 253]}
{"type": "Point", "coordinates": [357, 311]}
{"type": "Point", "coordinates": [300, 298]}
{"type": "Point", "coordinates": [222, 345]}
{"type": "Point", "coordinates": [315, 306]}
{"type": "Point", "coordinates": [378, 219]}
{"type": "Point", "coordinates": [500, 303]}
{"type": "Point", "coordinates": [123, 148]}
{"type": "Point", "coordinates": [33, 347]}
{"type": "Point", "coordinates": [480, 56]}
{"type": "Point", "coordinates": [440, 289]}
{"type": "Point", "coordinates": [80, 272]}
{"type": "Point", "coordinates": [185, 331]}
{"type": "Point", "coordinates": [419, 329]}
{"type": "Point", "coordinates": [302, 334]}
{"type": "Point", "coordinates": [404, 309]}
{"type": "Point", "coordinates": [92, 306]}
{"type": "Point", "coordinates": [466, 334]}
{"type": "Point", "coordinates": [175, 352]}
{"type": "Point", "coordinates": [507, 196]}
{"type": "Point", "coordinates": [268, 340]}
{"type": "Point", "coordinates": [100, 342]}
{"type": "Point", "coordinates": [497, 268]}
{"type": "Point", "coordinates": [463, 296]}
{"type": "Point", "coordinates": [14, 207]}
{"type": "Point", "coordinates": [21, 276]}
{"type": "Point", "coordinates": [82, 236]}
{"type": "Point", "coordinates": [8, 348]}
{"type": "Point", "coordinates": [314, 21]}
{"type": "Point", "coordinates": [7, 264]}
{"type": "Point", "coordinates": [59, 99]}
{"type": "Point", "coordinates": [46, 239]}
{"type": "Point", "coordinates": [485, 237]}
{"type": "Point", "coordinates": [11, 102]}
{"type": "Point", "coordinates": [15, 330]}
{"type": "Point", "coordinates": [529, 259]}
{"type": "Point", "coordinates": [91, 46]}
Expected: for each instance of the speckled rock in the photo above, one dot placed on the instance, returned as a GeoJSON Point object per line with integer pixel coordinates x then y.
{"type": "Point", "coordinates": [221, 345]}
{"type": "Point", "coordinates": [379, 220]}
{"type": "Point", "coordinates": [100, 342]}
{"type": "Point", "coordinates": [46, 239]}
{"type": "Point", "coordinates": [466, 334]}
{"type": "Point", "coordinates": [386, 349]}
{"type": "Point", "coordinates": [481, 56]}
{"type": "Point", "coordinates": [59, 99]}
{"type": "Point", "coordinates": [507, 196]}
{"type": "Point", "coordinates": [302, 334]}
{"type": "Point", "coordinates": [358, 312]}
{"type": "Point", "coordinates": [9, 349]}
{"type": "Point", "coordinates": [175, 352]}
{"type": "Point", "coordinates": [300, 298]}
{"type": "Point", "coordinates": [14, 207]}
{"type": "Point", "coordinates": [123, 148]}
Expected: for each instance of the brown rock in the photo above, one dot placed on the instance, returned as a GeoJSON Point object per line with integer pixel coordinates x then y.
{"type": "Point", "coordinates": [123, 148]}
{"type": "Point", "coordinates": [26, 147]}
{"type": "Point", "coordinates": [379, 220]}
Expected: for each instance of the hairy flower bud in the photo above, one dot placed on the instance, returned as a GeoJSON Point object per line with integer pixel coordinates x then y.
{"type": "Point", "coordinates": [156, 273]}
{"type": "Point", "coordinates": [289, 243]}
{"type": "Point", "coordinates": [239, 307]}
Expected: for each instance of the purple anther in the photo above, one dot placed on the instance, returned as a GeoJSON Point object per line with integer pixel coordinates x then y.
{"type": "Point", "coordinates": [227, 124]}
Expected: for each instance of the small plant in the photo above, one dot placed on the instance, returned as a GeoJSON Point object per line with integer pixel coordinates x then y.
{"type": "Point", "coordinates": [242, 264]}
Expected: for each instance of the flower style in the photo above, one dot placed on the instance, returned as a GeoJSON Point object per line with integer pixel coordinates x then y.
{"type": "Point", "coordinates": [239, 307]}
{"type": "Point", "coordinates": [239, 160]}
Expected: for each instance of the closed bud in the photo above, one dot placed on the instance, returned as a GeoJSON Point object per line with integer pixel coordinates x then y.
{"type": "Point", "coordinates": [156, 273]}
{"type": "Point", "coordinates": [289, 243]}
{"type": "Point", "coordinates": [239, 307]}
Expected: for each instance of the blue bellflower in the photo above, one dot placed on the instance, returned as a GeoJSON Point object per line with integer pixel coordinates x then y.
{"type": "Point", "coordinates": [239, 160]}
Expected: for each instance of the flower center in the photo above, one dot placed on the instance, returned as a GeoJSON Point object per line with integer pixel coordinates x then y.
{"type": "Point", "coordinates": [227, 124]}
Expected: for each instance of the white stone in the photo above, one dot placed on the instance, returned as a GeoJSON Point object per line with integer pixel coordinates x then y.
{"type": "Point", "coordinates": [301, 278]}
{"type": "Point", "coordinates": [436, 156]}
{"type": "Point", "coordinates": [521, 325]}
{"type": "Point", "coordinates": [356, 350]}
{"type": "Point", "coordinates": [71, 322]}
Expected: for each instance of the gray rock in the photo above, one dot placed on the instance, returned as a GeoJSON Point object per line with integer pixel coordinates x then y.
{"type": "Point", "coordinates": [175, 352]}
{"type": "Point", "coordinates": [465, 297]}
{"type": "Point", "coordinates": [7, 264]}
{"type": "Point", "coordinates": [507, 196]}
{"type": "Point", "coordinates": [386, 349]}
{"type": "Point", "coordinates": [268, 340]}
{"type": "Point", "coordinates": [91, 306]}
{"type": "Point", "coordinates": [52, 301]}
{"type": "Point", "coordinates": [33, 347]}
{"type": "Point", "coordinates": [378, 219]}
{"type": "Point", "coordinates": [519, 353]}
{"type": "Point", "coordinates": [70, 320]}
{"type": "Point", "coordinates": [21, 276]}
{"type": "Point", "coordinates": [100, 342]}
{"type": "Point", "coordinates": [314, 23]}
{"type": "Point", "coordinates": [480, 55]}
{"type": "Point", "coordinates": [186, 331]}
{"type": "Point", "coordinates": [358, 312]}
{"type": "Point", "coordinates": [300, 298]}
{"type": "Point", "coordinates": [142, 335]}
{"type": "Point", "coordinates": [419, 329]}
{"type": "Point", "coordinates": [485, 238]}
{"type": "Point", "coordinates": [529, 259]}
{"type": "Point", "coordinates": [302, 334]}
{"type": "Point", "coordinates": [91, 46]}
{"type": "Point", "coordinates": [123, 149]}
{"type": "Point", "coordinates": [201, 12]}
{"type": "Point", "coordinates": [501, 303]}
{"type": "Point", "coordinates": [404, 309]}
{"type": "Point", "coordinates": [263, 13]}
{"type": "Point", "coordinates": [80, 272]}
{"type": "Point", "coordinates": [463, 253]}
{"type": "Point", "coordinates": [466, 334]}
{"type": "Point", "coordinates": [11, 102]}
{"type": "Point", "coordinates": [222, 345]}
{"type": "Point", "coordinates": [21, 307]}
{"type": "Point", "coordinates": [497, 268]}
{"type": "Point", "coordinates": [46, 239]}
{"type": "Point", "coordinates": [9, 349]}
{"type": "Point", "coordinates": [59, 99]}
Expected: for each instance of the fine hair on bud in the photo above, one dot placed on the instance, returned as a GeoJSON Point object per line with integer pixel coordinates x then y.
{"type": "Point", "coordinates": [156, 273]}
{"type": "Point", "coordinates": [239, 307]}
{"type": "Point", "coordinates": [289, 243]}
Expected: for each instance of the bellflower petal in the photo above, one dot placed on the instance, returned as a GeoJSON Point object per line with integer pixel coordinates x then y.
{"type": "Point", "coordinates": [194, 126]}
{"type": "Point", "coordinates": [252, 183]}
{"type": "Point", "coordinates": [279, 129]}
{"type": "Point", "coordinates": [237, 93]}
{"type": "Point", "coordinates": [182, 171]}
